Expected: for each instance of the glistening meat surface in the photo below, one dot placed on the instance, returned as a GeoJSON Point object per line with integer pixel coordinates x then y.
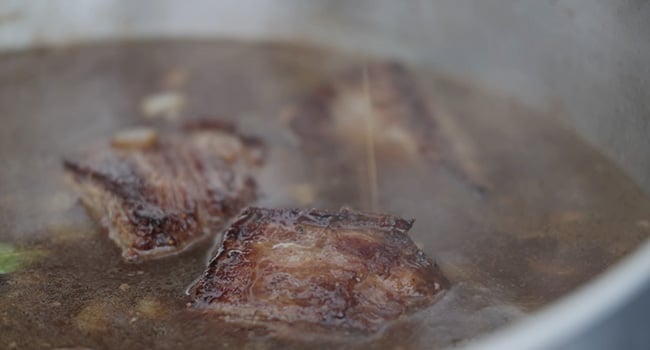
{"type": "Point", "coordinates": [157, 194]}
{"type": "Point", "coordinates": [346, 269]}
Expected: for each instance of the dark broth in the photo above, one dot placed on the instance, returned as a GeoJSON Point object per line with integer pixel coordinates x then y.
{"type": "Point", "coordinates": [558, 214]}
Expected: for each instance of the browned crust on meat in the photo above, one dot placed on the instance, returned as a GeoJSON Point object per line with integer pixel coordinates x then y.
{"type": "Point", "coordinates": [346, 269]}
{"type": "Point", "coordinates": [160, 200]}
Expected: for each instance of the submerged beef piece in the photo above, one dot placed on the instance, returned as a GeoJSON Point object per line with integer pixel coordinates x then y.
{"type": "Point", "coordinates": [348, 270]}
{"type": "Point", "coordinates": [384, 102]}
{"type": "Point", "coordinates": [159, 193]}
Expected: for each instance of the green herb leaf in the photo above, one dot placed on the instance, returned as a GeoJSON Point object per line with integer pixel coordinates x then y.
{"type": "Point", "coordinates": [12, 259]}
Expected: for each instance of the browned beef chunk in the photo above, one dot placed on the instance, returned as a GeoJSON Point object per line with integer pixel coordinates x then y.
{"type": "Point", "coordinates": [348, 270]}
{"type": "Point", "coordinates": [382, 103]}
{"type": "Point", "coordinates": [159, 193]}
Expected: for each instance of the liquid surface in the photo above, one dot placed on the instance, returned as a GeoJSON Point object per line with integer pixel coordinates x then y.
{"type": "Point", "coordinates": [558, 213]}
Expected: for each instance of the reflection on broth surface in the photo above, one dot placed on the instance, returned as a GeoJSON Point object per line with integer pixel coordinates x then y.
{"type": "Point", "coordinates": [556, 214]}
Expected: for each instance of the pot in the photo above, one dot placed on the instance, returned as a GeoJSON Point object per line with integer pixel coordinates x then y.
{"type": "Point", "coordinates": [585, 59]}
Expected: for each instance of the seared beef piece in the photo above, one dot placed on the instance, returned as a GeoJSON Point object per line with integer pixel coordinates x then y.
{"type": "Point", "coordinates": [347, 270]}
{"type": "Point", "coordinates": [383, 101]}
{"type": "Point", "coordinates": [158, 194]}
